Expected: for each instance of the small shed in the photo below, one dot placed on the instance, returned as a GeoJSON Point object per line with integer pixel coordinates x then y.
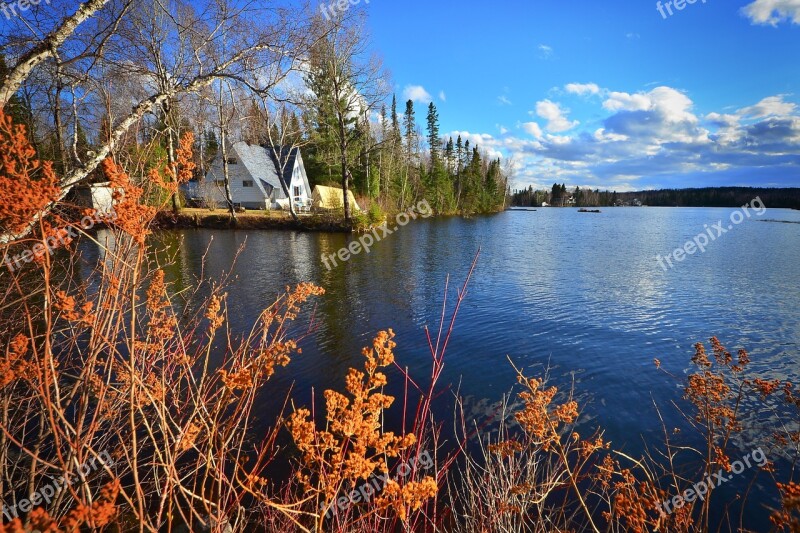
{"type": "Point", "coordinates": [331, 198]}
{"type": "Point", "coordinates": [98, 196]}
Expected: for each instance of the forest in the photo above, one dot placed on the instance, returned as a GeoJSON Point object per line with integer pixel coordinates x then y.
{"type": "Point", "coordinates": [701, 197]}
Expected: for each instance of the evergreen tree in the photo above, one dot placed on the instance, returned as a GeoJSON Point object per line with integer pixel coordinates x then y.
{"type": "Point", "coordinates": [409, 126]}
{"type": "Point", "coordinates": [322, 161]}
{"type": "Point", "coordinates": [459, 154]}
{"type": "Point", "coordinates": [395, 121]}
{"type": "Point", "coordinates": [449, 155]}
{"type": "Point", "coordinates": [434, 142]}
{"type": "Point", "coordinates": [408, 180]}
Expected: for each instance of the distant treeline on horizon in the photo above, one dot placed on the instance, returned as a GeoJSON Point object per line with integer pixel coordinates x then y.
{"type": "Point", "coordinates": [716, 197]}
{"type": "Point", "coordinates": [701, 197]}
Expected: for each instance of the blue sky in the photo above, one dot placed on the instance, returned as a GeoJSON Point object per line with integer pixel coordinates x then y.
{"type": "Point", "coordinates": [607, 94]}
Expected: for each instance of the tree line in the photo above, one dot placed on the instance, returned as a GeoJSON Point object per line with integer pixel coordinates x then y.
{"type": "Point", "coordinates": [700, 197]}
{"type": "Point", "coordinates": [559, 195]}
{"type": "Point", "coordinates": [396, 166]}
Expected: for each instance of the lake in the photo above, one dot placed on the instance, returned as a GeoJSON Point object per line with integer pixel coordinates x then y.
{"type": "Point", "coordinates": [581, 293]}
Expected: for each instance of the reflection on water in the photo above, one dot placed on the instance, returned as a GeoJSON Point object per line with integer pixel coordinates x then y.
{"type": "Point", "coordinates": [580, 293]}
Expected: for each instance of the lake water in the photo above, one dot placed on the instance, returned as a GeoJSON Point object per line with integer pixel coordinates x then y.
{"type": "Point", "coordinates": [582, 293]}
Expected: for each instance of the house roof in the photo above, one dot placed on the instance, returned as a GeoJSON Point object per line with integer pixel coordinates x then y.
{"type": "Point", "coordinates": [283, 153]}
{"type": "Point", "coordinates": [261, 163]}
{"type": "Point", "coordinates": [258, 162]}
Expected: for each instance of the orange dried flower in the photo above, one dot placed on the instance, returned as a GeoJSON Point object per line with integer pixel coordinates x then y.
{"type": "Point", "coordinates": [27, 185]}
{"type": "Point", "coordinates": [131, 216]}
{"type": "Point", "coordinates": [353, 446]}
{"type": "Point", "coordinates": [15, 363]}
{"type": "Point", "coordinates": [506, 448]}
{"type": "Point", "coordinates": [765, 387]}
{"type": "Point", "coordinates": [185, 161]}
{"type": "Point", "coordinates": [189, 437]}
{"type": "Point", "coordinates": [212, 314]}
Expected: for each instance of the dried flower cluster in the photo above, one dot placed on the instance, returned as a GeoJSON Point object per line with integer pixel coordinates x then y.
{"type": "Point", "coordinates": [27, 185]}
{"type": "Point", "coordinates": [353, 446]}
{"type": "Point", "coordinates": [539, 418]}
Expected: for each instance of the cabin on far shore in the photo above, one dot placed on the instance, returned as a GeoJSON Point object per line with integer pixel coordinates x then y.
{"type": "Point", "coordinates": [563, 201]}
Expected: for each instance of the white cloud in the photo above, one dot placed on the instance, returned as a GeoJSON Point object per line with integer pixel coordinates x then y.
{"type": "Point", "coordinates": [503, 100]}
{"type": "Point", "coordinates": [728, 128]}
{"type": "Point", "coordinates": [533, 129]}
{"type": "Point", "coordinates": [723, 120]}
{"type": "Point", "coordinates": [672, 104]}
{"type": "Point", "coordinates": [654, 139]}
{"type": "Point", "coordinates": [582, 89]}
{"type": "Point", "coordinates": [773, 106]}
{"type": "Point", "coordinates": [602, 135]}
{"type": "Point", "coordinates": [417, 93]}
{"type": "Point", "coordinates": [555, 116]}
{"type": "Point", "coordinates": [772, 12]}
{"type": "Point", "coordinates": [545, 51]}
{"type": "Point", "coordinates": [626, 102]}
{"type": "Point", "coordinates": [442, 96]}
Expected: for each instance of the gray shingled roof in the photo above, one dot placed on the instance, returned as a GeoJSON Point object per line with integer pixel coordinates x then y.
{"type": "Point", "coordinates": [286, 154]}
{"type": "Point", "coordinates": [258, 162]}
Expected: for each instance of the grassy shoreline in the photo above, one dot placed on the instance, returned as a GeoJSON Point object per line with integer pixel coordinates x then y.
{"type": "Point", "coordinates": [193, 218]}
{"type": "Point", "coordinates": [253, 220]}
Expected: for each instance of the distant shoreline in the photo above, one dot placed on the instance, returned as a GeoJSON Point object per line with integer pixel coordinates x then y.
{"type": "Point", "coordinates": [729, 197]}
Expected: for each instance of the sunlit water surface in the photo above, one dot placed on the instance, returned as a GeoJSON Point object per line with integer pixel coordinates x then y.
{"type": "Point", "coordinates": [579, 293]}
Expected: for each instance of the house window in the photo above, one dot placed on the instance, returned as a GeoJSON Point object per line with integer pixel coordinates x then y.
{"type": "Point", "coordinates": [296, 192]}
{"type": "Point", "coordinates": [232, 161]}
{"type": "Point", "coordinates": [247, 183]}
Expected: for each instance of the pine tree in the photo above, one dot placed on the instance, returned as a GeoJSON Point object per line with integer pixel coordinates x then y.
{"type": "Point", "coordinates": [409, 126]}
{"type": "Point", "coordinates": [434, 142]}
{"type": "Point", "coordinates": [395, 121]}
{"type": "Point", "coordinates": [320, 157]}
{"type": "Point", "coordinates": [410, 129]}
{"type": "Point", "coordinates": [449, 154]}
